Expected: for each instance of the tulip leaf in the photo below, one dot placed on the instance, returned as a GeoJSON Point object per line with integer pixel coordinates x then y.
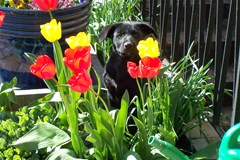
{"type": "Point", "coordinates": [6, 92]}
{"type": "Point", "coordinates": [142, 147]}
{"type": "Point", "coordinates": [122, 116]}
{"type": "Point", "coordinates": [208, 151]}
{"type": "Point", "coordinates": [30, 56]}
{"type": "Point", "coordinates": [41, 136]}
{"type": "Point", "coordinates": [63, 154]}
{"type": "Point", "coordinates": [46, 99]}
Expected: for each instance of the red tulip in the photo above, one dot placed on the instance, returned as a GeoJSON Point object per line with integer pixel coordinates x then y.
{"type": "Point", "coordinates": [78, 59]}
{"type": "Point", "coordinates": [44, 67]}
{"type": "Point", "coordinates": [133, 69]}
{"type": "Point", "coordinates": [80, 82]}
{"type": "Point", "coordinates": [46, 5]}
{"type": "Point", "coordinates": [149, 67]}
{"type": "Point", "coordinates": [2, 16]}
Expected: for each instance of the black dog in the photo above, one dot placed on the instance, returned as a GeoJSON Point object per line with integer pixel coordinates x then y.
{"type": "Point", "coordinates": [125, 37]}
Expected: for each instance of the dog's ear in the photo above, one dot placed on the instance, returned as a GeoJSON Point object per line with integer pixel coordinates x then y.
{"type": "Point", "coordinates": [147, 29]}
{"type": "Point", "coordinates": [108, 31]}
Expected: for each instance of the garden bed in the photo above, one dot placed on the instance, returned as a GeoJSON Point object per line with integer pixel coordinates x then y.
{"type": "Point", "coordinates": [192, 142]}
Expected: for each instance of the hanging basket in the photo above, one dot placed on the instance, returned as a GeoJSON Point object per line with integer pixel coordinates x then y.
{"type": "Point", "coordinates": [20, 33]}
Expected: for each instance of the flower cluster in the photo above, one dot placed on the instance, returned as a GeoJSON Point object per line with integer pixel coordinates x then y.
{"type": "Point", "coordinates": [149, 65]}
{"type": "Point", "coordinates": [77, 57]}
{"type": "Point", "coordinates": [31, 4]}
{"type": "Point", "coordinates": [71, 69]}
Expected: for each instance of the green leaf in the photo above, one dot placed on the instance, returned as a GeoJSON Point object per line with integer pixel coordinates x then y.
{"type": "Point", "coordinates": [105, 120]}
{"type": "Point", "coordinates": [207, 152]}
{"type": "Point", "coordinates": [41, 136]}
{"type": "Point", "coordinates": [122, 116]}
{"type": "Point", "coordinates": [100, 148]}
{"type": "Point", "coordinates": [46, 99]}
{"type": "Point", "coordinates": [30, 56]}
{"type": "Point", "coordinates": [63, 154]}
{"type": "Point", "coordinates": [7, 93]}
{"type": "Point", "coordinates": [142, 147]}
{"type": "Point", "coordinates": [62, 74]}
{"type": "Point", "coordinates": [168, 135]}
{"type": "Point", "coordinates": [94, 137]}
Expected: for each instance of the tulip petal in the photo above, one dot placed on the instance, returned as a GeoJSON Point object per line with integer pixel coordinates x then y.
{"type": "Point", "coordinates": [80, 82]}
{"type": "Point", "coordinates": [44, 67]}
{"type": "Point", "coordinates": [51, 31]}
{"type": "Point", "coordinates": [148, 48]}
{"type": "Point", "coordinates": [77, 59]}
{"type": "Point", "coordinates": [82, 39]}
{"type": "Point", "coordinates": [133, 70]}
{"type": "Point", "coordinates": [149, 67]}
{"type": "Point", "coordinates": [46, 5]}
{"type": "Point", "coordinates": [2, 16]}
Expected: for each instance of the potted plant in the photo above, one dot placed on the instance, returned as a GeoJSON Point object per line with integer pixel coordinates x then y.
{"type": "Point", "coordinates": [20, 33]}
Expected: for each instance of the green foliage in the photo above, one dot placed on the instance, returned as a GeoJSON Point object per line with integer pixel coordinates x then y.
{"type": "Point", "coordinates": [108, 12]}
{"type": "Point", "coordinates": [176, 102]}
{"type": "Point", "coordinates": [14, 124]}
{"type": "Point", "coordinates": [7, 95]}
{"type": "Point", "coordinates": [2, 2]}
{"type": "Point", "coordinates": [206, 152]}
{"type": "Point", "coordinates": [107, 131]}
{"type": "Point", "coordinates": [62, 154]}
{"type": "Point", "coordinates": [41, 136]}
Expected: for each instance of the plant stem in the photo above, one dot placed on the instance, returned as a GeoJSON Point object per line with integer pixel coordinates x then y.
{"type": "Point", "coordinates": [141, 94]}
{"type": "Point", "coordinates": [50, 13]}
{"type": "Point", "coordinates": [150, 108]}
{"type": "Point", "coordinates": [149, 88]}
{"type": "Point", "coordinates": [101, 99]}
{"type": "Point", "coordinates": [72, 118]}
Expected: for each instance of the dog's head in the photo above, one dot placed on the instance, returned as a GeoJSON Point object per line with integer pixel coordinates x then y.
{"type": "Point", "coordinates": [125, 37]}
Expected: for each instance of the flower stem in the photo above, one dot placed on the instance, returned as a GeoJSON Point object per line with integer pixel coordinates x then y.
{"type": "Point", "coordinates": [150, 108]}
{"type": "Point", "coordinates": [50, 13]}
{"type": "Point", "coordinates": [149, 88]}
{"type": "Point", "coordinates": [72, 118]}
{"type": "Point", "coordinates": [58, 57]}
{"type": "Point", "coordinates": [141, 94]}
{"type": "Point", "coordinates": [101, 99]}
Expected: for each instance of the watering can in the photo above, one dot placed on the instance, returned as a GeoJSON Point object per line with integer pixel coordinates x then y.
{"type": "Point", "coordinates": [229, 147]}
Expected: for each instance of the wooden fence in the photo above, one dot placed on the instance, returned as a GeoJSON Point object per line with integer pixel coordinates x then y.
{"type": "Point", "coordinates": [215, 26]}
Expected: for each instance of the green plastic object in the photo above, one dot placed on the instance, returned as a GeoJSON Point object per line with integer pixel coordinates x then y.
{"type": "Point", "coordinates": [167, 149]}
{"type": "Point", "coordinates": [230, 145]}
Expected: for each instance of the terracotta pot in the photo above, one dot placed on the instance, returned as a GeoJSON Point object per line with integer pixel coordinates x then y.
{"type": "Point", "coordinates": [20, 33]}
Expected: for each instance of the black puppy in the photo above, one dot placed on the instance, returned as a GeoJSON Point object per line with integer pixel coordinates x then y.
{"type": "Point", "coordinates": [125, 37]}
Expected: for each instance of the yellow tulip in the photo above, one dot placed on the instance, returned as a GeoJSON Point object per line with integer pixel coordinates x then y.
{"type": "Point", "coordinates": [82, 39]}
{"type": "Point", "coordinates": [51, 31]}
{"type": "Point", "coordinates": [148, 48]}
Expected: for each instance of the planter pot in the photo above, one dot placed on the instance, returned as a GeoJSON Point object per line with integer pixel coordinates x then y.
{"type": "Point", "coordinates": [20, 33]}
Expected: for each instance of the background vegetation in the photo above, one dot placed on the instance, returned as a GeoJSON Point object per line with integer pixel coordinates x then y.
{"type": "Point", "coordinates": [107, 12]}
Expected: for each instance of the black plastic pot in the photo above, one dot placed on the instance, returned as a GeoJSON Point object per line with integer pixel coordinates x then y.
{"type": "Point", "coordinates": [20, 33]}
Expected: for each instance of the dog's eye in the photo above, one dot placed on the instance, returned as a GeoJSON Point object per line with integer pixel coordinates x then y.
{"type": "Point", "coordinates": [120, 35]}
{"type": "Point", "coordinates": [136, 35]}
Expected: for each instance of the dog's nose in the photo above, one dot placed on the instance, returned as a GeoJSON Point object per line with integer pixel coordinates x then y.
{"type": "Point", "coordinates": [128, 45]}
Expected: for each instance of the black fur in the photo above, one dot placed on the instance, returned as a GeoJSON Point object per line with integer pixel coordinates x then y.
{"type": "Point", "coordinates": [125, 37]}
